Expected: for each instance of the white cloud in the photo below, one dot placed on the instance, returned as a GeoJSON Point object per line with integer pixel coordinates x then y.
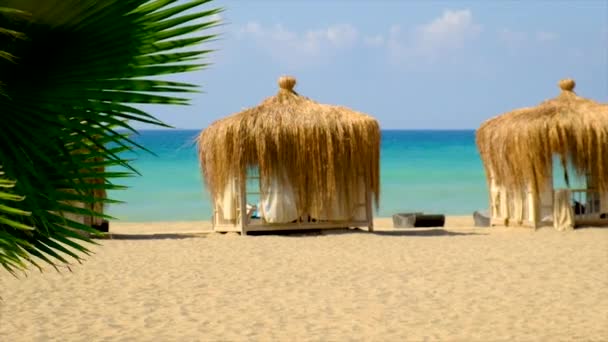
{"type": "Point", "coordinates": [397, 43]}
{"type": "Point", "coordinates": [291, 46]}
{"type": "Point", "coordinates": [543, 36]}
{"type": "Point", "coordinates": [513, 39]}
{"type": "Point", "coordinates": [449, 31]}
{"type": "Point", "coordinates": [432, 41]}
{"type": "Point", "coordinates": [373, 41]}
{"type": "Point", "coordinates": [338, 35]}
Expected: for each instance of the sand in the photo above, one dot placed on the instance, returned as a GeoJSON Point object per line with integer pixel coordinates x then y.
{"type": "Point", "coordinates": [455, 284]}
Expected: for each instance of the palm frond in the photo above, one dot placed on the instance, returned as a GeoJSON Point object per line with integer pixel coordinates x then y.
{"type": "Point", "coordinates": [70, 73]}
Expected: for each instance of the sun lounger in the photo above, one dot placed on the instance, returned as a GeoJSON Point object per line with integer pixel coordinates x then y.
{"type": "Point", "coordinates": [482, 219]}
{"type": "Point", "coordinates": [405, 220]}
{"type": "Point", "coordinates": [429, 220]}
{"type": "Point", "coordinates": [418, 219]}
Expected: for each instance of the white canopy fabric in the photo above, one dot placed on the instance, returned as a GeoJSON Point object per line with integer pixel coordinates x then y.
{"type": "Point", "coordinates": [278, 203]}
{"type": "Point", "coordinates": [344, 209]}
{"type": "Point", "coordinates": [563, 215]}
{"type": "Point", "coordinates": [227, 204]}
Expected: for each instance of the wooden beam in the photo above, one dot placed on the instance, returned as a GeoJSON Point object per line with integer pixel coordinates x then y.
{"type": "Point", "coordinates": [243, 206]}
{"type": "Point", "coordinates": [368, 209]}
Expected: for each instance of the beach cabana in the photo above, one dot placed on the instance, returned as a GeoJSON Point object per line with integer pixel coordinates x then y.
{"type": "Point", "coordinates": [521, 150]}
{"type": "Point", "coordinates": [291, 163]}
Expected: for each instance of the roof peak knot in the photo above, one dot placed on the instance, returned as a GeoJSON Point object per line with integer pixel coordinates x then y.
{"type": "Point", "coordinates": [567, 84]}
{"type": "Point", "coordinates": [287, 82]}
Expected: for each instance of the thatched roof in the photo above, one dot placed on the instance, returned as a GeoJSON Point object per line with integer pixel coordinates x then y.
{"type": "Point", "coordinates": [318, 148]}
{"type": "Point", "coordinates": [517, 148]}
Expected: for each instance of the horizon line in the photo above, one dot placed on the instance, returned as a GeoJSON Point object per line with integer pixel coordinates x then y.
{"type": "Point", "coordinates": [382, 129]}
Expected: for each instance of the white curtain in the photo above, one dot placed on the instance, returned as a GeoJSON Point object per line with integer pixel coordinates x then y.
{"type": "Point", "coordinates": [563, 215]}
{"type": "Point", "coordinates": [227, 202]}
{"type": "Point", "coordinates": [345, 208]}
{"type": "Point", "coordinates": [278, 204]}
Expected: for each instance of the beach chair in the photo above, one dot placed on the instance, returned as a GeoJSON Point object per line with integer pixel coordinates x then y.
{"type": "Point", "coordinates": [481, 218]}
{"type": "Point", "coordinates": [429, 220]}
{"type": "Point", "coordinates": [405, 220]}
{"type": "Point", "coordinates": [417, 219]}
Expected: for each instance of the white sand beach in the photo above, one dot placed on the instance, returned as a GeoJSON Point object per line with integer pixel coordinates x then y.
{"type": "Point", "coordinates": [454, 284]}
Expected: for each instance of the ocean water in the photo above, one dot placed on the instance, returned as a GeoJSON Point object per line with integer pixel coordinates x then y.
{"type": "Point", "coordinates": [421, 170]}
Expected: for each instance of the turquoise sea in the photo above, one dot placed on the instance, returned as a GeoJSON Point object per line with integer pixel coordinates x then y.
{"type": "Point", "coordinates": [421, 170]}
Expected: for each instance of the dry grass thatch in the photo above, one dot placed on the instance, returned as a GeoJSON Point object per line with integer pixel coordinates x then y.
{"type": "Point", "coordinates": [319, 149]}
{"type": "Point", "coordinates": [517, 148]}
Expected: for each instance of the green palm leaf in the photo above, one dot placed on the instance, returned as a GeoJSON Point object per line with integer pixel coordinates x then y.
{"type": "Point", "coordinates": [70, 73]}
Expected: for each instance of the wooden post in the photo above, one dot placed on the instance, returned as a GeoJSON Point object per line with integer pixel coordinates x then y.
{"type": "Point", "coordinates": [545, 197]}
{"type": "Point", "coordinates": [499, 204]}
{"type": "Point", "coordinates": [368, 210]}
{"type": "Point", "coordinates": [594, 203]}
{"type": "Point", "coordinates": [243, 206]}
{"type": "Point", "coordinates": [492, 192]}
{"type": "Point", "coordinates": [532, 201]}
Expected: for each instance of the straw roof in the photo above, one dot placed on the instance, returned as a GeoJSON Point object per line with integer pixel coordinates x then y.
{"type": "Point", "coordinates": [518, 147]}
{"type": "Point", "coordinates": [316, 148]}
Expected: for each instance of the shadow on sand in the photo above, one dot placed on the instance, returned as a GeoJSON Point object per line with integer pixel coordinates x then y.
{"type": "Point", "coordinates": [290, 233]}
{"type": "Point", "coordinates": [425, 232]}
{"type": "Point", "coordinates": [409, 232]}
{"type": "Point", "coordinates": [161, 236]}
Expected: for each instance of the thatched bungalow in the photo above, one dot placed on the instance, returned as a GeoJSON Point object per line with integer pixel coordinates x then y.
{"type": "Point", "coordinates": [310, 165]}
{"type": "Point", "coordinates": [519, 148]}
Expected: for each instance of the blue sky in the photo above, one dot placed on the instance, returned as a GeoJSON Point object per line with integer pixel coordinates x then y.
{"type": "Point", "coordinates": [411, 64]}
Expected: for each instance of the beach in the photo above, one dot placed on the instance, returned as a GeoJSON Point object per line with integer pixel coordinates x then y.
{"type": "Point", "coordinates": [175, 281]}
